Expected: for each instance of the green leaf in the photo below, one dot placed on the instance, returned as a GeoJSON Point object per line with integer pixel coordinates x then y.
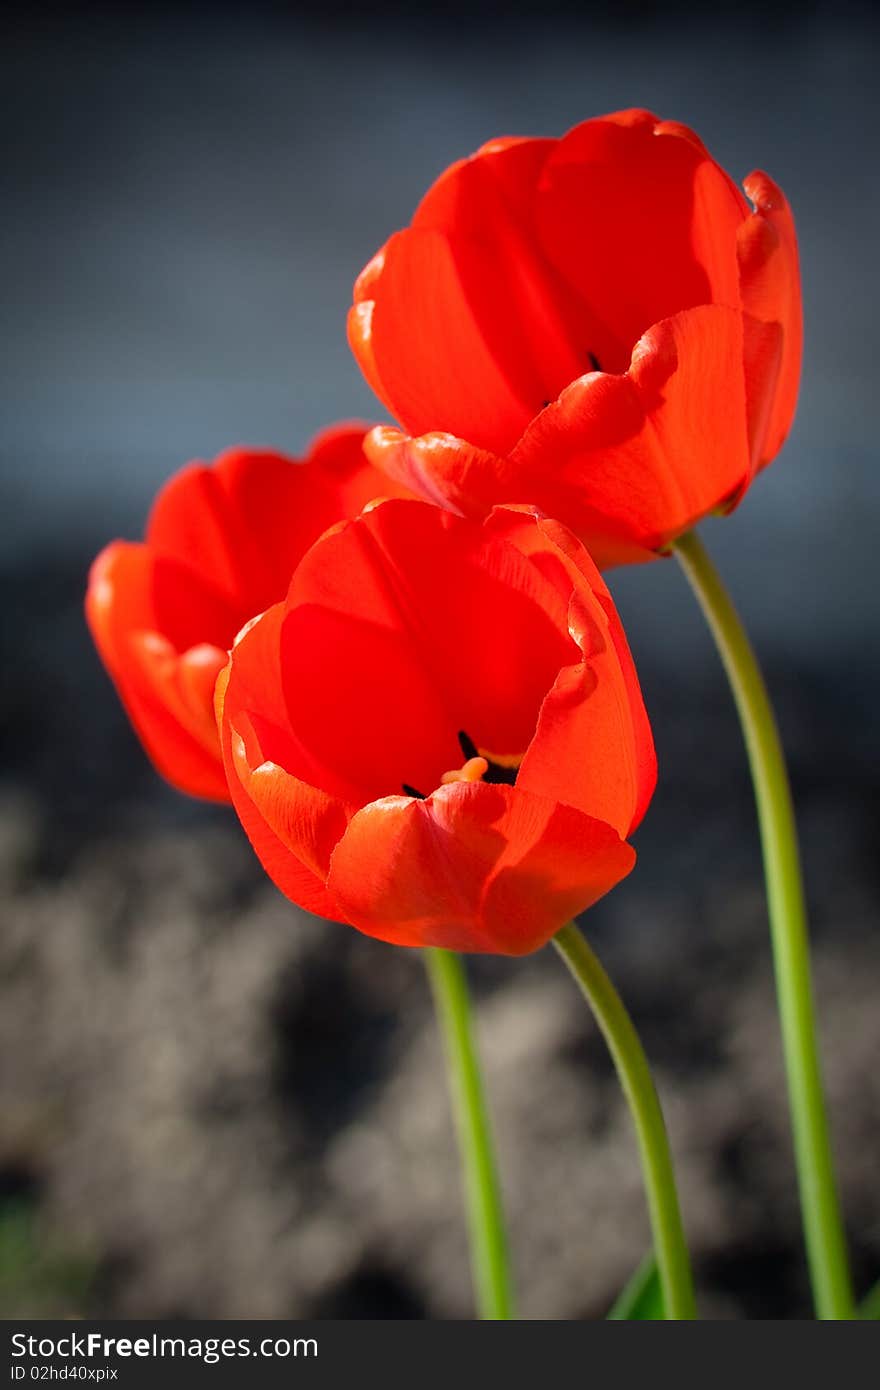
{"type": "Point", "coordinates": [642, 1298]}
{"type": "Point", "coordinates": [870, 1305]}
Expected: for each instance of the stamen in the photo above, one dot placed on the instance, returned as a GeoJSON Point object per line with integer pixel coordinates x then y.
{"type": "Point", "coordinates": [500, 767]}
{"type": "Point", "coordinates": [479, 766]}
{"type": "Point", "coordinates": [594, 362]}
{"type": "Point", "coordinates": [468, 748]}
{"type": "Point", "coordinates": [473, 771]}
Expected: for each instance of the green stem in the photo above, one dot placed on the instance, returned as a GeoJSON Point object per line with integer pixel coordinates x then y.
{"type": "Point", "coordinates": [629, 1058]}
{"type": "Point", "coordinates": [489, 1255]}
{"type": "Point", "coordinates": [820, 1209]}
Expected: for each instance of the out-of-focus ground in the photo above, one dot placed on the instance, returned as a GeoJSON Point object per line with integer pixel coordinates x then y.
{"type": "Point", "coordinates": [210, 1105]}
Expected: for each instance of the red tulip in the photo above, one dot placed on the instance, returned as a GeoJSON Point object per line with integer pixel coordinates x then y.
{"type": "Point", "coordinates": [600, 325]}
{"type": "Point", "coordinates": [221, 545]}
{"type": "Point", "coordinates": [438, 737]}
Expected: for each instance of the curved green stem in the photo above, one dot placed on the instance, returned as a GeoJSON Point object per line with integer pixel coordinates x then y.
{"type": "Point", "coordinates": [629, 1058]}
{"type": "Point", "coordinates": [823, 1227]}
{"type": "Point", "coordinates": [488, 1242]}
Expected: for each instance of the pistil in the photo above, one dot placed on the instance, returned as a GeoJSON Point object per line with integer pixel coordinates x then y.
{"type": "Point", "coordinates": [473, 771]}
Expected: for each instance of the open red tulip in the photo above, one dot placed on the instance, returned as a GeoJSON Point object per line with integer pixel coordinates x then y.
{"type": "Point", "coordinates": [221, 544]}
{"type": "Point", "coordinates": [438, 737]}
{"type": "Point", "coordinates": [602, 325]}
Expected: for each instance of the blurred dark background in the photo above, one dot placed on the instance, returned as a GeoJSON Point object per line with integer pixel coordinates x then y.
{"type": "Point", "coordinates": [212, 1106]}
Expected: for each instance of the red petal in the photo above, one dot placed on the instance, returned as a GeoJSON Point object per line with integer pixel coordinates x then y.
{"type": "Point", "coordinates": [336, 461]}
{"type": "Point", "coordinates": [550, 546]}
{"type": "Point", "coordinates": [430, 353]}
{"type": "Point", "coordinates": [437, 627]}
{"type": "Point", "coordinates": [255, 705]}
{"type": "Point", "coordinates": [650, 452]}
{"type": "Point", "coordinates": [499, 180]}
{"type": "Point", "coordinates": [359, 326]}
{"type": "Point", "coordinates": [291, 825]}
{"type": "Point", "coordinates": [168, 696]}
{"type": "Point", "coordinates": [222, 544]}
{"type": "Point", "coordinates": [442, 469]}
{"type": "Point", "coordinates": [771, 296]}
{"type": "Point", "coordinates": [641, 222]}
{"type": "Point", "coordinates": [455, 474]}
{"type": "Point", "coordinates": [538, 329]}
{"type": "Point", "coordinates": [473, 868]}
{"type": "Point", "coordinates": [362, 703]}
{"type": "Point", "coordinates": [593, 747]}
{"type": "Point", "coordinates": [244, 523]}
{"type": "Point", "coordinates": [306, 822]}
{"type": "Point", "coordinates": [644, 753]}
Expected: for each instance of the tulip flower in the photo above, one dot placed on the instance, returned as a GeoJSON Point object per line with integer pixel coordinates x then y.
{"type": "Point", "coordinates": [221, 544]}
{"type": "Point", "coordinates": [438, 736]}
{"type": "Point", "coordinates": [601, 325]}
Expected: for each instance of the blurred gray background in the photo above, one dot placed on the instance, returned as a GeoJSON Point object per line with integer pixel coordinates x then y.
{"type": "Point", "coordinates": [211, 1106]}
